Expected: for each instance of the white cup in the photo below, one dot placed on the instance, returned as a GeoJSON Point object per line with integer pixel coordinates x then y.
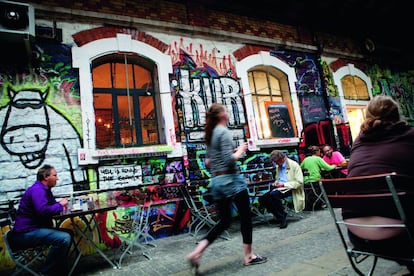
{"type": "Point", "coordinates": [76, 206]}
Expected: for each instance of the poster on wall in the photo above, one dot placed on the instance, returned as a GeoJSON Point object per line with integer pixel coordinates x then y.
{"type": "Point", "coordinates": [112, 177]}
{"type": "Point", "coordinates": [280, 119]}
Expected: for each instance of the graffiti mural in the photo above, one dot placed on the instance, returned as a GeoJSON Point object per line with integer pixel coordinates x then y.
{"type": "Point", "coordinates": [34, 133]}
{"type": "Point", "coordinates": [397, 85]}
{"type": "Point", "coordinates": [39, 116]}
{"type": "Point", "coordinates": [309, 84]}
{"type": "Point", "coordinates": [306, 67]}
{"type": "Point", "coordinates": [199, 80]}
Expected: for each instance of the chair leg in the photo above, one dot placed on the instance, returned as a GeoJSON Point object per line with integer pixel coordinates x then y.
{"type": "Point", "coordinates": [25, 259]}
{"type": "Point", "coordinates": [316, 196]}
{"type": "Point", "coordinates": [353, 261]}
{"type": "Point", "coordinates": [20, 268]}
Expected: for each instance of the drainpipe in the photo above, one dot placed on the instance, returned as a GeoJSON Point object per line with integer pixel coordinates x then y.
{"type": "Point", "coordinates": [319, 52]}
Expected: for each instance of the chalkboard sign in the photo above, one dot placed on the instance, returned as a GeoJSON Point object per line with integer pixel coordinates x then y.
{"type": "Point", "coordinates": [280, 119]}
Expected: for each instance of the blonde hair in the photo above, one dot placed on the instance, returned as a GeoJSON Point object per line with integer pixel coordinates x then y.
{"type": "Point", "coordinates": [381, 111]}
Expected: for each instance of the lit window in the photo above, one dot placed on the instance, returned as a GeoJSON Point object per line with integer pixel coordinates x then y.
{"type": "Point", "coordinates": [267, 84]}
{"type": "Point", "coordinates": [354, 88]}
{"type": "Point", "coordinates": [124, 101]}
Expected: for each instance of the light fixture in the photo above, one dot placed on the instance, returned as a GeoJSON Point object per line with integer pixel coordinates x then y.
{"type": "Point", "coordinates": [14, 16]}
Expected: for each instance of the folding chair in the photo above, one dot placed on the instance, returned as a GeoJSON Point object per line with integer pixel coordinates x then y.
{"type": "Point", "coordinates": [366, 193]}
{"type": "Point", "coordinates": [290, 209]}
{"type": "Point", "coordinates": [313, 195]}
{"type": "Point", "coordinates": [202, 215]}
{"type": "Point", "coordinates": [255, 193]}
{"type": "Point", "coordinates": [26, 260]}
{"type": "Point", "coordinates": [133, 233]}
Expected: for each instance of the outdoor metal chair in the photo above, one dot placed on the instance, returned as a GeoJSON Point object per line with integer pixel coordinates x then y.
{"type": "Point", "coordinates": [366, 193]}
{"type": "Point", "coordinates": [255, 193]}
{"type": "Point", "coordinates": [264, 216]}
{"type": "Point", "coordinates": [133, 233]}
{"type": "Point", "coordinates": [290, 209]}
{"type": "Point", "coordinates": [313, 194]}
{"type": "Point", "coordinates": [27, 259]}
{"type": "Point", "coordinates": [202, 215]}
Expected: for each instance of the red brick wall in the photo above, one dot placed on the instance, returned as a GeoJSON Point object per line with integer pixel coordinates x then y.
{"type": "Point", "coordinates": [84, 37]}
{"type": "Point", "coordinates": [192, 14]}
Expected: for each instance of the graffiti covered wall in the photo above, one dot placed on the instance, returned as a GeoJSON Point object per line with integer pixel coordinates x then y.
{"type": "Point", "coordinates": [399, 85]}
{"type": "Point", "coordinates": [39, 115]}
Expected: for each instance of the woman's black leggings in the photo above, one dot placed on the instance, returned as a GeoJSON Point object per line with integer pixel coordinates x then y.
{"type": "Point", "coordinates": [224, 208]}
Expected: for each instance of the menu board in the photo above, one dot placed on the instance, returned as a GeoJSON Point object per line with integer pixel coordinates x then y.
{"type": "Point", "coordinates": [280, 119]}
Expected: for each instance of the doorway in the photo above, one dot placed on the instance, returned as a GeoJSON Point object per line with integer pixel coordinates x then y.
{"type": "Point", "coordinates": [356, 115]}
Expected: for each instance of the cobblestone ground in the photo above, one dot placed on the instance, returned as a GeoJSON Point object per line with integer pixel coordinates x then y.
{"type": "Point", "coordinates": [309, 246]}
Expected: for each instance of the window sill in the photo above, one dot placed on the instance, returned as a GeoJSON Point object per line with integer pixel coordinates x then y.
{"type": "Point", "coordinates": [91, 156]}
{"type": "Point", "coordinates": [277, 142]}
{"type": "Point", "coordinates": [154, 150]}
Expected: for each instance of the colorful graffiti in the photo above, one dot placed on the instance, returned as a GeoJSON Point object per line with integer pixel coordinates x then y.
{"type": "Point", "coordinates": [40, 118]}
{"type": "Point", "coordinates": [196, 84]}
{"type": "Point", "coordinates": [306, 66]}
{"type": "Point", "coordinates": [34, 133]}
{"type": "Point", "coordinates": [396, 84]}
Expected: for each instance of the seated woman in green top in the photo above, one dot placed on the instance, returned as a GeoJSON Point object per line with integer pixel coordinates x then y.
{"type": "Point", "coordinates": [314, 165]}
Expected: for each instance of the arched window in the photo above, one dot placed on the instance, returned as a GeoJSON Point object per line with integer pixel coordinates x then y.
{"type": "Point", "coordinates": [267, 85]}
{"type": "Point", "coordinates": [124, 101]}
{"type": "Point", "coordinates": [354, 88]}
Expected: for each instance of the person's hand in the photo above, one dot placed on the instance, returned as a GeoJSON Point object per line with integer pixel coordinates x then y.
{"type": "Point", "coordinates": [64, 202]}
{"type": "Point", "coordinates": [240, 151]}
{"type": "Point", "coordinates": [278, 185]}
{"type": "Point", "coordinates": [207, 162]}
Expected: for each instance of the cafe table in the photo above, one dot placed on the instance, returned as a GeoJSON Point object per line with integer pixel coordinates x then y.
{"type": "Point", "coordinates": [86, 233]}
{"type": "Point", "coordinates": [335, 173]}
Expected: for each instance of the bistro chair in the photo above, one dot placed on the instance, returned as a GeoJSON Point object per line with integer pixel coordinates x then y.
{"type": "Point", "coordinates": [202, 215]}
{"type": "Point", "coordinates": [133, 231]}
{"type": "Point", "coordinates": [313, 194]}
{"type": "Point", "coordinates": [366, 193]}
{"type": "Point", "coordinates": [264, 216]}
{"type": "Point", "coordinates": [290, 208]}
{"type": "Point", "coordinates": [26, 260]}
{"type": "Point", "coordinates": [255, 193]}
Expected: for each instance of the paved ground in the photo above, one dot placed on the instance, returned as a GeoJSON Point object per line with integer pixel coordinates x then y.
{"type": "Point", "coordinates": [309, 246]}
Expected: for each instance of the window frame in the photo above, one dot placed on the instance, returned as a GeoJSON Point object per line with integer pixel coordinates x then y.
{"type": "Point", "coordinates": [135, 94]}
{"type": "Point", "coordinates": [338, 75]}
{"type": "Point", "coordinates": [264, 58]}
{"type": "Point", "coordinates": [281, 94]}
{"type": "Point", "coordinates": [82, 58]}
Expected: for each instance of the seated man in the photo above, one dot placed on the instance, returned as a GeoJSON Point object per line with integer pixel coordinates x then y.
{"type": "Point", "coordinates": [288, 182]}
{"type": "Point", "coordinates": [34, 227]}
{"type": "Point", "coordinates": [335, 158]}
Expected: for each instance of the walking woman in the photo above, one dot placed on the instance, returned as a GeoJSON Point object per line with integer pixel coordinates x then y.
{"type": "Point", "coordinates": [227, 186]}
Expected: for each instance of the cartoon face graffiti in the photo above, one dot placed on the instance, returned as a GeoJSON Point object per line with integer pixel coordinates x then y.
{"type": "Point", "coordinates": [26, 138]}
